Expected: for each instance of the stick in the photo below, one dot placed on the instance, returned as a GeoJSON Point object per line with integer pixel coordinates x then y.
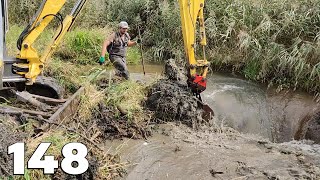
{"type": "Point", "coordinates": [24, 96]}
{"type": "Point", "coordinates": [17, 111]}
{"type": "Point", "coordinates": [141, 51]}
{"type": "Point", "coordinates": [71, 130]}
{"type": "Point", "coordinates": [48, 100]}
{"type": "Point", "coordinates": [4, 169]}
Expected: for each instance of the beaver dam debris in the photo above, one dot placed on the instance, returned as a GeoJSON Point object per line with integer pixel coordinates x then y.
{"type": "Point", "coordinates": [43, 107]}
{"type": "Point", "coordinates": [113, 128]}
{"type": "Point", "coordinates": [159, 149]}
{"type": "Point", "coordinates": [171, 101]}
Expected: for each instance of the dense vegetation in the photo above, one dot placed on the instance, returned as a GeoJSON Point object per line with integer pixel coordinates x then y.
{"type": "Point", "coordinates": [273, 41]}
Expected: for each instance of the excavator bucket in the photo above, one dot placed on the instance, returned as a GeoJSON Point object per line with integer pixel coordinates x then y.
{"type": "Point", "coordinates": [198, 84]}
{"type": "Point", "coordinates": [207, 111]}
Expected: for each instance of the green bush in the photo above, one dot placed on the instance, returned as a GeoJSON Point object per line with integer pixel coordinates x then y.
{"type": "Point", "coordinates": [271, 41]}
{"type": "Point", "coordinates": [82, 46]}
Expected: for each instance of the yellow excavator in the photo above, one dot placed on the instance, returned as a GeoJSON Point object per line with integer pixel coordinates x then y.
{"type": "Point", "coordinates": [191, 13]}
{"type": "Point", "coordinates": [24, 71]}
{"type": "Point", "coordinates": [192, 16]}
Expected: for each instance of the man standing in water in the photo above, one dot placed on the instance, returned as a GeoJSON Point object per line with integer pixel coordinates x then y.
{"type": "Point", "coordinates": [116, 45]}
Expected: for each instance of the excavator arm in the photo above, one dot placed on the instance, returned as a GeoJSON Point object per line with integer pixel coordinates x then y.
{"type": "Point", "coordinates": [30, 64]}
{"type": "Point", "coordinates": [191, 13]}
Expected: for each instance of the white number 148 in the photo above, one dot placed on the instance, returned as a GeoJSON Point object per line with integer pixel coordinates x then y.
{"type": "Point", "coordinates": [72, 152]}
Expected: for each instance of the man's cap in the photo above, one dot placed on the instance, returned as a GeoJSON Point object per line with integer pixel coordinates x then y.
{"type": "Point", "coordinates": [123, 24]}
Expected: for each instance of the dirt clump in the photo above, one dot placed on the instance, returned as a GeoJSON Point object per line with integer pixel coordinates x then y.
{"type": "Point", "coordinates": [113, 124]}
{"type": "Point", "coordinates": [171, 99]}
{"type": "Point", "coordinates": [175, 72]}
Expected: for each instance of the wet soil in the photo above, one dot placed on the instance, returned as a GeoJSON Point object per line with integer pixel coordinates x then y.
{"type": "Point", "coordinates": [8, 136]}
{"type": "Point", "coordinates": [178, 152]}
{"type": "Point", "coordinates": [115, 126]}
{"type": "Point", "coordinates": [171, 101]}
{"type": "Point", "coordinates": [313, 128]}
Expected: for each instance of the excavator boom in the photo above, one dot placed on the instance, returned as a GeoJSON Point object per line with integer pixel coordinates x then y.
{"type": "Point", "coordinates": [191, 13]}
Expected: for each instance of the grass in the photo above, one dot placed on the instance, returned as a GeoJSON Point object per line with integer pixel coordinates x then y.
{"type": "Point", "coordinates": [82, 46]}
{"type": "Point", "coordinates": [133, 56]}
{"type": "Point", "coordinates": [273, 42]}
{"type": "Point", "coordinates": [126, 94]}
{"type": "Point", "coordinates": [89, 101]}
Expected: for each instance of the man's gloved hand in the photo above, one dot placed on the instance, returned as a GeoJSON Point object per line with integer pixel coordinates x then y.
{"type": "Point", "coordinates": [139, 40]}
{"type": "Point", "coordinates": [102, 60]}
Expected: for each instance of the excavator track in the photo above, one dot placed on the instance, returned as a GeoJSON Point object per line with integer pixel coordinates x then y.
{"type": "Point", "coordinates": [44, 86]}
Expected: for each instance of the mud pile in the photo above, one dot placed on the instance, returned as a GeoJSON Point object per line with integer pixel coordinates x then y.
{"type": "Point", "coordinates": [113, 124]}
{"type": "Point", "coordinates": [171, 100]}
{"type": "Point", "coordinates": [174, 72]}
{"type": "Point", "coordinates": [8, 136]}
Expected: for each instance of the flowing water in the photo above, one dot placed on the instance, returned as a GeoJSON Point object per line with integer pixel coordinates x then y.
{"type": "Point", "coordinates": [251, 108]}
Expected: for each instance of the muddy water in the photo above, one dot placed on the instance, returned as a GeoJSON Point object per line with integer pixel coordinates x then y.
{"type": "Point", "coordinates": [238, 104]}
{"type": "Point", "coordinates": [151, 71]}
{"type": "Point", "coordinates": [252, 108]}
{"type": "Point", "coordinates": [247, 106]}
{"type": "Point", "coordinates": [177, 152]}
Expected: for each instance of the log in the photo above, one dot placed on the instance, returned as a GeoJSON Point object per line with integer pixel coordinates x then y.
{"type": "Point", "coordinates": [49, 100]}
{"type": "Point", "coordinates": [24, 96]}
{"type": "Point", "coordinates": [18, 111]}
{"type": "Point", "coordinates": [69, 107]}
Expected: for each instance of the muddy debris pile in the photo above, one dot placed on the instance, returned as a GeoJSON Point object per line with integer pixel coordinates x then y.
{"type": "Point", "coordinates": [171, 99]}
{"type": "Point", "coordinates": [113, 124]}
{"type": "Point", "coordinates": [174, 72]}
